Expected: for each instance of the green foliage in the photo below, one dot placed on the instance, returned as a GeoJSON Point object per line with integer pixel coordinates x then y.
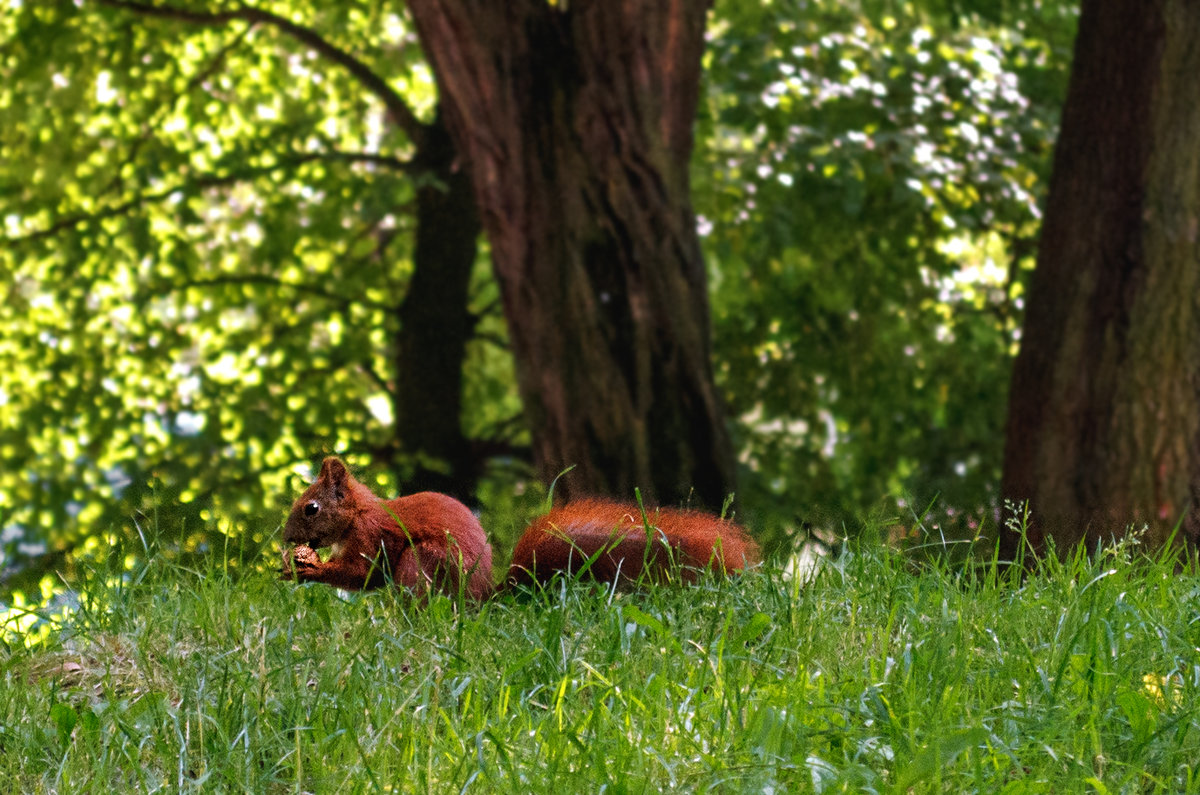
{"type": "Point", "coordinates": [876, 676]}
{"type": "Point", "coordinates": [868, 184]}
{"type": "Point", "coordinates": [208, 233]}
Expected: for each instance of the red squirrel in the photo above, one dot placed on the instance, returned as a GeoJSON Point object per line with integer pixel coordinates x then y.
{"type": "Point", "coordinates": [430, 541]}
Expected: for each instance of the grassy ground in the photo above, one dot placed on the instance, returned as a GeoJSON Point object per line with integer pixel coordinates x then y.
{"type": "Point", "coordinates": [879, 675]}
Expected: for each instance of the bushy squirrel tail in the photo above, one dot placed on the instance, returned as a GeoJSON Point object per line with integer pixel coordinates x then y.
{"type": "Point", "coordinates": [616, 543]}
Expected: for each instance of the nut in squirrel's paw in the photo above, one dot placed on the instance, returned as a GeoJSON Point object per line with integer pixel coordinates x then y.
{"type": "Point", "coordinates": [297, 557]}
{"type": "Point", "coordinates": [305, 555]}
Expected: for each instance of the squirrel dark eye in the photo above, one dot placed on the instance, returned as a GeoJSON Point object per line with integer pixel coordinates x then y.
{"type": "Point", "coordinates": [312, 509]}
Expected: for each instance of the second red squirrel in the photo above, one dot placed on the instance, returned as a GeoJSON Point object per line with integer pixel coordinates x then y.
{"type": "Point", "coordinates": [430, 541]}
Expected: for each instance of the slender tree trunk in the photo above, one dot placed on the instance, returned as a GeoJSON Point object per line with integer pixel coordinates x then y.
{"type": "Point", "coordinates": [576, 121]}
{"type": "Point", "coordinates": [1104, 415]}
{"type": "Point", "coordinates": [435, 326]}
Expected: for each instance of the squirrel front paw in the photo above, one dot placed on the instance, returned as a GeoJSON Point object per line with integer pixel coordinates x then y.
{"type": "Point", "coordinates": [297, 559]}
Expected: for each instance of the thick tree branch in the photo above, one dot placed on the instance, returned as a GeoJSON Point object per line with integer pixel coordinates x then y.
{"type": "Point", "coordinates": [375, 376]}
{"type": "Point", "coordinates": [493, 339]}
{"type": "Point", "coordinates": [204, 183]}
{"type": "Point", "coordinates": [483, 450]}
{"type": "Point", "coordinates": [392, 163]}
{"type": "Point", "coordinates": [274, 281]}
{"type": "Point", "coordinates": [399, 111]}
{"type": "Point", "coordinates": [495, 306]}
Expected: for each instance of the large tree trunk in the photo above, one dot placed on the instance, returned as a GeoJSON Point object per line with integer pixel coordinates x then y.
{"type": "Point", "coordinates": [435, 327]}
{"type": "Point", "coordinates": [1104, 415]}
{"type": "Point", "coordinates": [576, 123]}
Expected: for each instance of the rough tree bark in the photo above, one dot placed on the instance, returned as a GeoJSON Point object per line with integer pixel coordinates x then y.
{"type": "Point", "coordinates": [1104, 414]}
{"type": "Point", "coordinates": [575, 120]}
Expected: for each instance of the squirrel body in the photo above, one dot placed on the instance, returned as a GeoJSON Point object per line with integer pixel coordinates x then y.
{"type": "Point", "coordinates": [422, 541]}
{"type": "Point", "coordinates": [430, 541]}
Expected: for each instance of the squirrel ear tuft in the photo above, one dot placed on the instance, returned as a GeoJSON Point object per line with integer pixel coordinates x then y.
{"type": "Point", "coordinates": [333, 471]}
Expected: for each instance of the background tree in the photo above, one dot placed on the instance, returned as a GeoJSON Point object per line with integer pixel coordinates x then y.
{"type": "Point", "coordinates": [1104, 416]}
{"type": "Point", "coordinates": [576, 123]}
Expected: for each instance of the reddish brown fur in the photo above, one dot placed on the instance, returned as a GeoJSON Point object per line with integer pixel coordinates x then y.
{"type": "Point", "coordinates": [427, 541]}
{"type": "Point", "coordinates": [423, 541]}
{"type": "Point", "coordinates": [566, 538]}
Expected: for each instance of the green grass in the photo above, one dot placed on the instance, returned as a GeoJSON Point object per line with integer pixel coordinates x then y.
{"type": "Point", "coordinates": [880, 675]}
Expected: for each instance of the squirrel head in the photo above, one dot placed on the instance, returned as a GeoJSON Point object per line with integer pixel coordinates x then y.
{"type": "Point", "coordinates": [322, 516]}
